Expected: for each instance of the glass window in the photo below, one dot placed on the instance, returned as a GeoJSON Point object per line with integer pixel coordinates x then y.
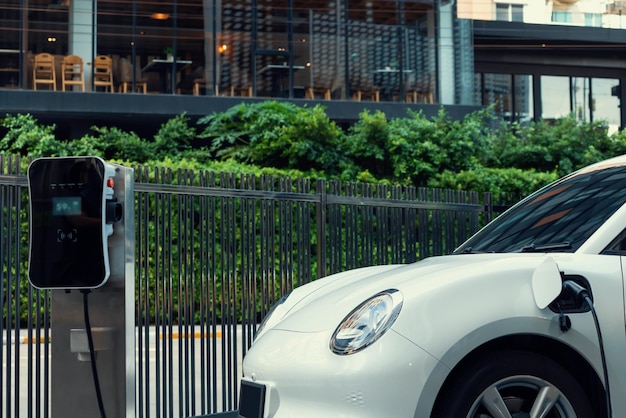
{"type": "Point", "coordinates": [391, 53]}
{"type": "Point", "coordinates": [605, 105]}
{"type": "Point", "coordinates": [498, 89]}
{"type": "Point", "coordinates": [9, 45]}
{"type": "Point", "coordinates": [593, 20]}
{"type": "Point", "coordinates": [524, 112]}
{"type": "Point", "coordinates": [509, 12]}
{"type": "Point", "coordinates": [478, 90]}
{"type": "Point", "coordinates": [580, 98]}
{"type": "Point", "coordinates": [555, 97]}
{"type": "Point", "coordinates": [517, 13]}
{"type": "Point", "coordinates": [560, 217]}
{"type": "Point", "coordinates": [561, 17]}
{"type": "Point", "coordinates": [502, 12]}
{"type": "Point", "coordinates": [386, 49]}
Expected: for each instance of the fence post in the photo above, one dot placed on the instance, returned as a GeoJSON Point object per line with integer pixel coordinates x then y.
{"type": "Point", "coordinates": [488, 207]}
{"type": "Point", "coordinates": [320, 221]}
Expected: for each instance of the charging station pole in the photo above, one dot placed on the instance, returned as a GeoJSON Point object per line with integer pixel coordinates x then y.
{"type": "Point", "coordinates": [62, 231]}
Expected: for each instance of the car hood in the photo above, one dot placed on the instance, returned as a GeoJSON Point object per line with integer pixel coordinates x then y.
{"type": "Point", "coordinates": [322, 304]}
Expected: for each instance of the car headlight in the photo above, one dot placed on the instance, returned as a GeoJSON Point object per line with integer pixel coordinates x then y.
{"type": "Point", "coordinates": [367, 322]}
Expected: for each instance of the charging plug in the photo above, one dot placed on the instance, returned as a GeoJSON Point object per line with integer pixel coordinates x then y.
{"type": "Point", "coordinates": [579, 293]}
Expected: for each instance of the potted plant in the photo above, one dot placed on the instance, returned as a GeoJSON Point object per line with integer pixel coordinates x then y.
{"type": "Point", "coordinates": [169, 53]}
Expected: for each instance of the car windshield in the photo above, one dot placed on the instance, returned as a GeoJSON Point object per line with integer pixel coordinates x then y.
{"type": "Point", "coordinates": [560, 217]}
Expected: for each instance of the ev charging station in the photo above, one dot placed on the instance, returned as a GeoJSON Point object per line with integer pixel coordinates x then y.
{"type": "Point", "coordinates": [82, 248]}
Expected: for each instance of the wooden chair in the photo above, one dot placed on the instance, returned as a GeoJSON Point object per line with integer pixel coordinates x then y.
{"type": "Point", "coordinates": [361, 86]}
{"type": "Point", "coordinates": [321, 91]}
{"type": "Point", "coordinates": [198, 83]}
{"type": "Point", "coordinates": [125, 77]}
{"type": "Point", "coordinates": [43, 71]}
{"type": "Point", "coordinates": [192, 82]}
{"type": "Point", "coordinates": [240, 77]}
{"type": "Point", "coordinates": [321, 80]}
{"type": "Point", "coordinates": [72, 72]}
{"type": "Point", "coordinates": [103, 73]}
{"type": "Point", "coordinates": [228, 83]}
{"type": "Point", "coordinates": [365, 89]}
{"type": "Point", "coordinates": [420, 91]}
{"type": "Point", "coordinates": [234, 81]}
{"type": "Point", "coordinates": [371, 94]}
{"type": "Point", "coordinates": [235, 91]}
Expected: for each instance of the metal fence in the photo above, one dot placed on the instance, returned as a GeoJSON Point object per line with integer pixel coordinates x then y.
{"type": "Point", "coordinates": [213, 253]}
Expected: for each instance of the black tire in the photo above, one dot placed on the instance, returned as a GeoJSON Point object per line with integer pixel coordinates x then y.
{"type": "Point", "coordinates": [513, 380]}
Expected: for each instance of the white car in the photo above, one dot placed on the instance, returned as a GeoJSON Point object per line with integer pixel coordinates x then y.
{"type": "Point", "coordinates": [524, 319]}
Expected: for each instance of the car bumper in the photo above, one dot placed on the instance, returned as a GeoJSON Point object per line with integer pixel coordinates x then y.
{"type": "Point", "coordinates": [292, 374]}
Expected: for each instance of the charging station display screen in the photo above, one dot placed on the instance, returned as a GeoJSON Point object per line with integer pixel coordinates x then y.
{"type": "Point", "coordinates": [64, 206]}
{"type": "Point", "coordinates": [67, 242]}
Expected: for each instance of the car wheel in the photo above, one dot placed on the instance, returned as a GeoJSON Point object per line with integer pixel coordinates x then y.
{"type": "Point", "coordinates": [513, 384]}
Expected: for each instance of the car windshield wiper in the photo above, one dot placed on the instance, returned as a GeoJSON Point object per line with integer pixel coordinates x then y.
{"type": "Point", "coordinates": [533, 248]}
{"type": "Point", "coordinates": [470, 250]}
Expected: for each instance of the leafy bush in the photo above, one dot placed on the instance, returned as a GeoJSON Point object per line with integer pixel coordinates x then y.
{"type": "Point", "coordinates": [495, 180]}
{"type": "Point", "coordinates": [562, 146]}
{"type": "Point", "coordinates": [477, 153]}
{"type": "Point", "coordinates": [276, 134]}
{"type": "Point", "coordinates": [174, 137]}
{"type": "Point", "coordinates": [113, 144]}
{"type": "Point", "coordinates": [368, 144]}
{"type": "Point", "coordinates": [26, 137]}
{"type": "Point", "coordinates": [413, 149]}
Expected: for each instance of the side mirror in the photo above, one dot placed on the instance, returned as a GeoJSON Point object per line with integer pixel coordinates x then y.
{"type": "Point", "coordinates": [546, 283]}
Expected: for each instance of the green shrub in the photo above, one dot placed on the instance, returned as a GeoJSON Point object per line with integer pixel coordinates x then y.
{"type": "Point", "coordinates": [368, 144]}
{"type": "Point", "coordinates": [276, 134]}
{"type": "Point", "coordinates": [563, 145]}
{"type": "Point", "coordinates": [175, 137]}
{"type": "Point", "coordinates": [115, 144]}
{"type": "Point", "coordinates": [495, 180]}
{"type": "Point", "coordinates": [26, 137]}
{"type": "Point", "coordinates": [413, 150]}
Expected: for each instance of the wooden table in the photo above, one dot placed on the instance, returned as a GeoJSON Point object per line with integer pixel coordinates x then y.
{"type": "Point", "coordinates": [278, 74]}
{"type": "Point", "coordinates": [168, 70]}
{"type": "Point", "coordinates": [388, 80]}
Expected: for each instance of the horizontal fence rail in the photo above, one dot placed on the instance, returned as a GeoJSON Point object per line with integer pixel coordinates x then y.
{"type": "Point", "coordinates": [214, 251]}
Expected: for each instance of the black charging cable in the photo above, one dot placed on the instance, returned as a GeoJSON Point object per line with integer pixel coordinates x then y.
{"type": "Point", "coordinates": [92, 352]}
{"type": "Point", "coordinates": [582, 295]}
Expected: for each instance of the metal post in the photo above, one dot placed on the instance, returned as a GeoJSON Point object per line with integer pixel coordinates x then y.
{"type": "Point", "coordinates": [111, 311]}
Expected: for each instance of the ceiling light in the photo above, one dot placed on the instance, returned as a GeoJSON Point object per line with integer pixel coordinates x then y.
{"type": "Point", "coordinates": [160, 16]}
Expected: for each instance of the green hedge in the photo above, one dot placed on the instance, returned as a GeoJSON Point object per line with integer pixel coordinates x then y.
{"type": "Point", "coordinates": [477, 153]}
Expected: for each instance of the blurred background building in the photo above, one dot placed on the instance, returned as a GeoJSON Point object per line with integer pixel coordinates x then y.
{"type": "Point", "coordinates": [139, 62]}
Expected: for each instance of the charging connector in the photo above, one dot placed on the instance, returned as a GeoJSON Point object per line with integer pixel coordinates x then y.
{"type": "Point", "coordinates": [582, 297]}
{"type": "Point", "coordinates": [579, 293]}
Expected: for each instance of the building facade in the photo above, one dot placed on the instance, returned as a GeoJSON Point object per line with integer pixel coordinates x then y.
{"type": "Point", "coordinates": [549, 58]}
{"type": "Point", "coordinates": [532, 58]}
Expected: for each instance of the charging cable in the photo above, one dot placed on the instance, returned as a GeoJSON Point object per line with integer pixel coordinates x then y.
{"type": "Point", "coordinates": [92, 352]}
{"type": "Point", "coordinates": [582, 295]}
